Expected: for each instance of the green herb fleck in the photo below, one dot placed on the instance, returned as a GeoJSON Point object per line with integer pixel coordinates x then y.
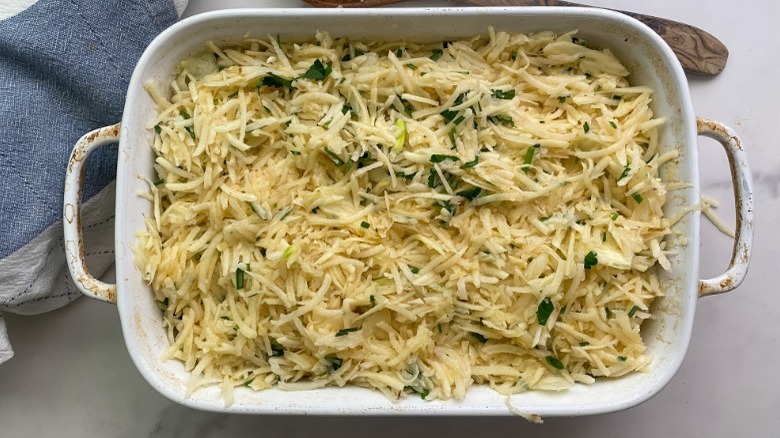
{"type": "Point", "coordinates": [586, 127]}
{"type": "Point", "coordinates": [184, 114]}
{"type": "Point", "coordinates": [249, 382]}
{"type": "Point", "coordinates": [414, 269]}
{"type": "Point", "coordinates": [276, 348]}
{"type": "Point", "coordinates": [436, 55]}
{"type": "Point", "coordinates": [614, 216]}
{"type": "Point", "coordinates": [318, 71]}
{"type": "Point", "coordinates": [544, 218]}
{"type": "Point", "coordinates": [335, 361]}
{"type": "Point", "coordinates": [438, 327]}
{"type": "Point", "coordinates": [275, 81]}
{"type": "Point", "coordinates": [365, 224]}
{"type": "Point", "coordinates": [336, 159]}
{"type": "Point", "coordinates": [346, 331]}
{"type": "Point", "coordinates": [626, 170]}
{"type": "Point", "coordinates": [503, 119]}
{"type": "Point", "coordinates": [529, 157]}
{"type": "Point", "coordinates": [507, 95]}
{"type": "Point", "coordinates": [158, 181]}
{"type": "Point", "coordinates": [562, 99]}
{"type": "Point", "coordinates": [472, 163]}
{"type": "Point", "coordinates": [424, 393]}
{"type": "Point", "coordinates": [544, 310]}
{"type": "Point", "coordinates": [603, 236]}
{"type": "Point", "coordinates": [471, 193]}
{"type": "Point", "coordinates": [613, 124]}
{"type": "Point", "coordinates": [433, 178]}
{"type": "Point", "coordinates": [450, 114]}
{"type": "Point", "coordinates": [239, 278]}
{"type": "Point", "coordinates": [632, 312]}
{"type": "Point", "coordinates": [372, 299]}
{"type": "Point", "coordinates": [157, 129]}
{"type": "Point", "coordinates": [554, 362]}
{"type": "Point", "coordinates": [513, 55]}
{"type": "Point", "coordinates": [622, 358]}
{"type": "Point", "coordinates": [438, 158]}
{"type": "Point", "coordinates": [584, 344]}
{"type": "Point", "coordinates": [638, 198]}
{"type": "Point", "coordinates": [591, 260]}
{"type": "Point", "coordinates": [411, 66]}
{"type": "Point", "coordinates": [399, 53]}
{"type": "Point", "coordinates": [479, 337]}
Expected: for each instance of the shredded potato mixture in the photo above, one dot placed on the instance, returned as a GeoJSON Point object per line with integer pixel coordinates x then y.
{"type": "Point", "coordinates": [413, 218]}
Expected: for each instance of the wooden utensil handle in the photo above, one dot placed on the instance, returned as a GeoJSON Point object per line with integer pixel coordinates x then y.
{"type": "Point", "coordinates": [698, 51]}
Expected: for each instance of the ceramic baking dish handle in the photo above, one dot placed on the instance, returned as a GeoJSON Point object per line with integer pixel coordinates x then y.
{"type": "Point", "coordinates": [71, 213]}
{"type": "Point", "coordinates": [743, 199]}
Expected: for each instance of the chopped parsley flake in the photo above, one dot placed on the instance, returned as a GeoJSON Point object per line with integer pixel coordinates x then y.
{"type": "Point", "coordinates": [503, 119]}
{"type": "Point", "coordinates": [318, 71]}
{"type": "Point", "coordinates": [239, 278]}
{"type": "Point", "coordinates": [591, 260]}
{"type": "Point", "coordinates": [335, 361]}
{"type": "Point", "coordinates": [471, 193]}
{"type": "Point", "coordinates": [554, 362]}
{"type": "Point", "coordinates": [275, 81]}
{"type": "Point", "coordinates": [529, 157]}
{"type": "Point", "coordinates": [626, 170]}
{"type": "Point", "coordinates": [436, 54]}
{"type": "Point", "coordinates": [365, 224]}
{"type": "Point", "coordinates": [336, 159]}
{"type": "Point", "coordinates": [438, 158]}
{"type": "Point", "coordinates": [472, 163]}
{"type": "Point", "coordinates": [507, 95]}
{"type": "Point", "coordinates": [346, 331]}
{"type": "Point", "coordinates": [544, 310]}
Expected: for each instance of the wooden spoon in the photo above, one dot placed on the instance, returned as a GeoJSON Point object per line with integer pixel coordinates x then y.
{"type": "Point", "coordinates": [698, 51]}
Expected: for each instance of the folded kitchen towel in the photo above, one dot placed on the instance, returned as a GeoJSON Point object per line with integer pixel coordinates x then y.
{"type": "Point", "coordinates": [64, 70]}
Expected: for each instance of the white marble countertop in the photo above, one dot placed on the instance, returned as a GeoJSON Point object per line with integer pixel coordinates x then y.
{"type": "Point", "coordinates": [72, 375]}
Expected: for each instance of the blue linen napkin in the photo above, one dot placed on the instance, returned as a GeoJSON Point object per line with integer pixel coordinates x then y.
{"type": "Point", "coordinates": [64, 70]}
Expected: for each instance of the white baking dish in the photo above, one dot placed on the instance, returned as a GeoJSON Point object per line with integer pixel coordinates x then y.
{"type": "Point", "coordinates": [643, 52]}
